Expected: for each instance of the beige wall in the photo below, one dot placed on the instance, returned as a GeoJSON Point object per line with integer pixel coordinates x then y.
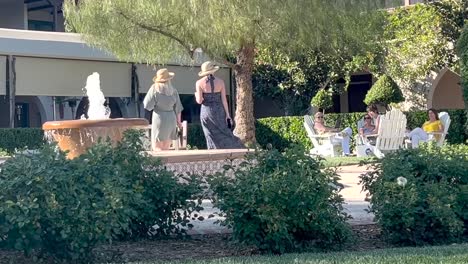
{"type": "Point", "coordinates": [184, 80]}
{"type": "Point", "coordinates": [3, 75]}
{"type": "Point", "coordinates": [447, 93]}
{"type": "Point", "coordinates": [57, 77]}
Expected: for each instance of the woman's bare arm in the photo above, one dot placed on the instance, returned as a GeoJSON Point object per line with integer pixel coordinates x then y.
{"type": "Point", "coordinates": [198, 94]}
{"type": "Point", "coordinates": [179, 119]}
{"type": "Point", "coordinates": [377, 123]}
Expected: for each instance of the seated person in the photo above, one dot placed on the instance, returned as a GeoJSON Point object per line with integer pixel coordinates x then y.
{"type": "Point", "coordinates": [367, 129]}
{"type": "Point", "coordinates": [432, 125]}
{"type": "Point", "coordinates": [373, 112]}
{"type": "Point", "coordinates": [341, 136]}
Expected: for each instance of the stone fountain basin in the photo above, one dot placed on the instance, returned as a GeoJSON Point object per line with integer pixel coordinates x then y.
{"type": "Point", "coordinates": [76, 136]}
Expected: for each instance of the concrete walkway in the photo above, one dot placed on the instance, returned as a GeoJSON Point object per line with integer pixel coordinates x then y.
{"type": "Point", "coordinates": [355, 204]}
{"type": "Point", "coordinates": [354, 196]}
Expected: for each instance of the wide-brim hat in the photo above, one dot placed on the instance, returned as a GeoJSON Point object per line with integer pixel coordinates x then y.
{"type": "Point", "coordinates": [208, 68]}
{"type": "Point", "coordinates": [163, 75]}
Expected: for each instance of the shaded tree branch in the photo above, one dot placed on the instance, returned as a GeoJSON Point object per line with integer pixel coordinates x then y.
{"type": "Point", "coordinates": [228, 63]}
{"type": "Point", "coordinates": [187, 47]}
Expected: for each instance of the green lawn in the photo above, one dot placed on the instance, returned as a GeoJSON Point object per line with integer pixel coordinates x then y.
{"type": "Point", "coordinates": [343, 161]}
{"type": "Point", "coordinates": [444, 254]}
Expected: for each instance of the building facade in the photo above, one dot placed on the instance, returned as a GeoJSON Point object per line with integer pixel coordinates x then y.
{"type": "Point", "coordinates": [43, 70]}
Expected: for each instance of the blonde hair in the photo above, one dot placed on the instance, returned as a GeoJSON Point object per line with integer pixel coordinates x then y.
{"type": "Point", "coordinates": [164, 88]}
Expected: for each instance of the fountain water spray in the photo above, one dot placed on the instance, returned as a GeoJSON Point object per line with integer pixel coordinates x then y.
{"type": "Point", "coordinates": [97, 109]}
{"type": "Point", "coordinates": [76, 136]}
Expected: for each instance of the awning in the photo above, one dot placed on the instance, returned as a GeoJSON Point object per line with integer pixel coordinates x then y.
{"type": "Point", "coordinates": [3, 60]}
{"type": "Point", "coordinates": [62, 77]}
{"type": "Point", "coordinates": [184, 80]}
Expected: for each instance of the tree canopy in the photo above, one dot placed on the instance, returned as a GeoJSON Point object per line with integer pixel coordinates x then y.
{"type": "Point", "coordinates": [228, 31]}
{"type": "Point", "coordinates": [462, 49]}
{"type": "Point", "coordinates": [156, 31]}
{"type": "Point", "coordinates": [417, 42]}
{"type": "Point", "coordinates": [292, 80]}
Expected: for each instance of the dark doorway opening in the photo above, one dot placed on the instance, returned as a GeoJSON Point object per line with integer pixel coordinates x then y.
{"type": "Point", "coordinates": [357, 90]}
{"type": "Point", "coordinates": [83, 106]}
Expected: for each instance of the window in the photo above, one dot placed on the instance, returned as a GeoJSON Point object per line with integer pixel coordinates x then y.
{"type": "Point", "coordinates": [40, 25]}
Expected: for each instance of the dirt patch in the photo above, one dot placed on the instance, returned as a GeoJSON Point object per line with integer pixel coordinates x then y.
{"type": "Point", "coordinates": [368, 237]}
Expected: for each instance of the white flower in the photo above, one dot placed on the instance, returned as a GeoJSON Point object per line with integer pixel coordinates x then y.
{"type": "Point", "coordinates": [402, 181]}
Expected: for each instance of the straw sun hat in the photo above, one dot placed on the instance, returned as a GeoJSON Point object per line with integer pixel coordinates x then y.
{"type": "Point", "coordinates": [208, 68]}
{"type": "Point", "coordinates": [163, 75]}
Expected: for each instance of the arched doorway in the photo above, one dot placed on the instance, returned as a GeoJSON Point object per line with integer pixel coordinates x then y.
{"type": "Point", "coordinates": [446, 91]}
{"type": "Point", "coordinates": [82, 109]}
{"type": "Point", "coordinates": [29, 111]}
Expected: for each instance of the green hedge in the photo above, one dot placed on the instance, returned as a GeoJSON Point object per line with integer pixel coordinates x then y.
{"type": "Point", "coordinates": [280, 132]}
{"type": "Point", "coordinates": [288, 202]}
{"type": "Point", "coordinates": [420, 196]}
{"type": "Point", "coordinates": [18, 138]}
{"type": "Point", "coordinates": [196, 138]}
{"type": "Point", "coordinates": [55, 208]}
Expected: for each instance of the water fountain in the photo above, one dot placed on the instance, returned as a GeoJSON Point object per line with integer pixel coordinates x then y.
{"type": "Point", "coordinates": [75, 136]}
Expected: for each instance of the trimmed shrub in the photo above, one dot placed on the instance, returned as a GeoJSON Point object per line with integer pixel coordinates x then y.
{"type": "Point", "coordinates": [50, 205]}
{"type": "Point", "coordinates": [280, 202]}
{"type": "Point", "coordinates": [323, 100]}
{"type": "Point", "coordinates": [419, 196]}
{"type": "Point", "coordinates": [385, 91]}
{"type": "Point", "coordinates": [281, 132]}
{"type": "Point", "coordinates": [19, 138]}
{"type": "Point", "coordinates": [195, 137]}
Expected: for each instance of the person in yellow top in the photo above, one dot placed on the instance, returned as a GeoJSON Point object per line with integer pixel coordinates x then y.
{"type": "Point", "coordinates": [432, 125]}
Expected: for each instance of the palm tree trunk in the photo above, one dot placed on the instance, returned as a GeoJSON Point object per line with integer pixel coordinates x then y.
{"type": "Point", "coordinates": [245, 121]}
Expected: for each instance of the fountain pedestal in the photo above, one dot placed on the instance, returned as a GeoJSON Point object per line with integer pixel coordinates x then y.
{"type": "Point", "coordinates": [76, 136]}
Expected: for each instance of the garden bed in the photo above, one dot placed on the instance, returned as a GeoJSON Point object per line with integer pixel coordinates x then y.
{"type": "Point", "coordinates": [197, 248]}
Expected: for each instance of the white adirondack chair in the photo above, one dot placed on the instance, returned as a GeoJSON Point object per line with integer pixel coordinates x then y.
{"type": "Point", "coordinates": [362, 142]}
{"type": "Point", "coordinates": [439, 137]}
{"type": "Point", "coordinates": [391, 133]}
{"type": "Point", "coordinates": [323, 145]}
